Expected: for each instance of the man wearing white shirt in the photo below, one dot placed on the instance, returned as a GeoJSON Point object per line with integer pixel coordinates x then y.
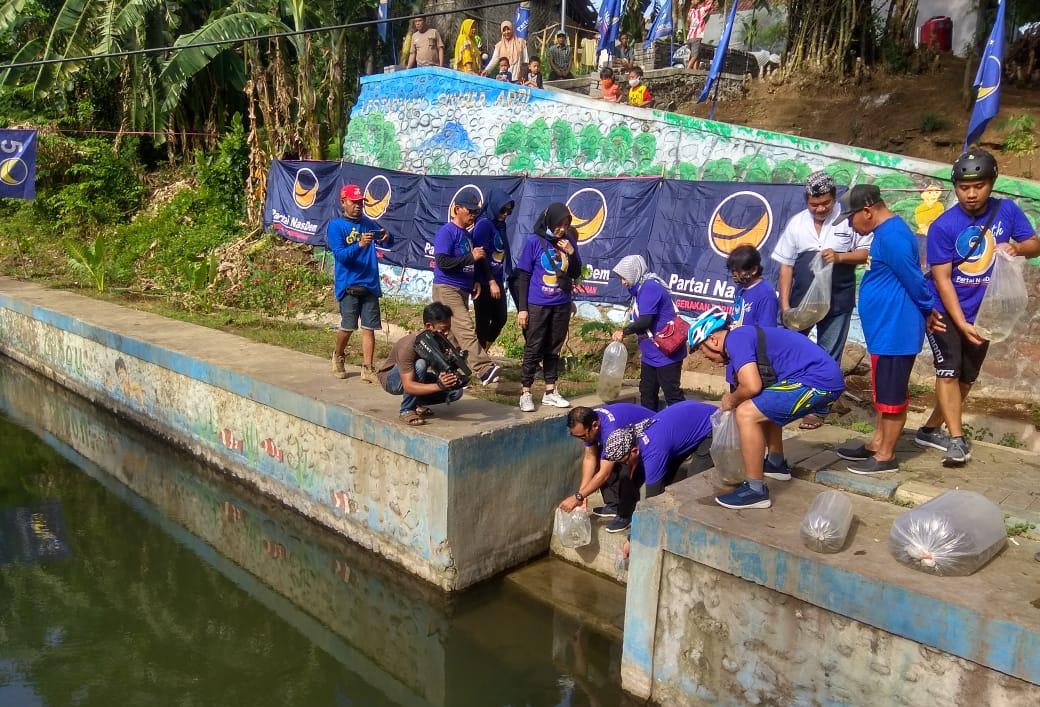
{"type": "Point", "coordinates": [810, 232]}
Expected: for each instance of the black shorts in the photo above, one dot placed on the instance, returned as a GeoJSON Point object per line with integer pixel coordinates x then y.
{"type": "Point", "coordinates": [955, 356]}
{"type": "Point", "coordinates": [890, 379]}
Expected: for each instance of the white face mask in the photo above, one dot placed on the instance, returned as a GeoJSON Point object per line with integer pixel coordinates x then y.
{"type": "Point", "coordinates": [633, 82]}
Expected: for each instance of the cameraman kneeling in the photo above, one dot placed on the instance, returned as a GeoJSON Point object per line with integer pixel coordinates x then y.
{"type": "Point", "coordinates": [406, 374]}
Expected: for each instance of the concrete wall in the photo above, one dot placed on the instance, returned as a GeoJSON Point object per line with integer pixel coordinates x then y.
{"type": "Point", "coordinates": [336, 454]}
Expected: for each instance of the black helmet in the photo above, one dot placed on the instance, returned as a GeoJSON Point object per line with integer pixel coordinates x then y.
{"type": "Point", "coordinates": [974, 164]}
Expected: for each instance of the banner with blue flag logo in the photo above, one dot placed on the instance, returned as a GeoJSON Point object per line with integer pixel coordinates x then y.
{"type": "Point", "coordinates": [987, 81]}
{"type": "Point", "coordinates": [662, 26]}
{"type": "Point", "coordinates": [720, 54]}
{"type": "Point", "coordinates": [18, 164]}
{"type": "Point", "coordinates": [608, 24]}
{"type": "Point", "coordinates": [522, 20]}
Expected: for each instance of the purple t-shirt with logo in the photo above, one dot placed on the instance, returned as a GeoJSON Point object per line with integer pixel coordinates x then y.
{"type": "Point", "coordinates": [756, 305]}
{"type": "Point", "coordinates": [795, 358]}
{"type": "Point", "coordinates": [951, 238]}
{"type": "Point", "coordinates": [454, 241]}
{"type": "Point", "coordinates": [544, 290]}
{"type": "Point", "coordinates": [675, 432]}
{"type": "Point", "coordinates": [612, 417]}
{"type": "Point", "coordinates": [654, 299]}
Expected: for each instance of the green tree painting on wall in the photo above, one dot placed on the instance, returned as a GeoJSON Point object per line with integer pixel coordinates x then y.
{"type": "Point", "coordinates": [372, 139]}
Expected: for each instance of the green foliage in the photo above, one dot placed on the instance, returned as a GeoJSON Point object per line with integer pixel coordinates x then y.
{"type": "Point", "coordinates": [372, 137]}
{"type": "Point", "coordinates": [197, 276]}
{"type": "Point", "coordinates": [1018, 527]}
{"type": "Point", "coordinates": [842, 172]}
{"type": "Point", "coordinates": [1010, 439]}
{"type": "Point", "coordinates": [933, 123]}
{"type": "Point", "coordinates": [864, 428]}
{"type": "Point", "coordinates": [512, 340]}
{"type": "Point", "coordinates": [773, 37]}
{"type": "Point", "coordinates": [539, 140]}
{"type": "Point", "coordinates": [589, 140]}
{"type": "Point", "coordinates": [1019, 139]}
{"type": "Point", "coordinates": [565, 141]}
{"type": "Point", "coordinates": [512, 139]}
{"type": "Point", "coordinates": [596, 331]}
{"type": "Point", "coordinates": [790, 172]}
{"type": "Point", "coordinates": [439, 165]}
{"type": "Point", "coordinates": [720, 170]}
{"type": "Point", "coordinates": [894, 180]}
{"type": "Point", "coordinates": [645, 147]}
{"type": "Point", "coordinates": [89, 260]}
{"type": "Point", "coordinates": [976, 433]}
{"type": "Point", "coordinates": [222, 176]}
{"type": "Point", "coordinates": [618, 144]}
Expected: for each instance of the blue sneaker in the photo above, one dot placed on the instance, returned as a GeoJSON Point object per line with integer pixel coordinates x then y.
{"type": "Point", "coordinates": [745, 497]}
{"type": "Point", "coordinates": [619, 525]}
{"type": "Point", "coordinates": [780, 472]}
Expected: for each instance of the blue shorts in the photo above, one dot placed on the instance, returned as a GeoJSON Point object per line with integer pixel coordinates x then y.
{"type": "Point", "coordinates": [366, 308]}
{"type": "Point", "coordinates": [788, 401]}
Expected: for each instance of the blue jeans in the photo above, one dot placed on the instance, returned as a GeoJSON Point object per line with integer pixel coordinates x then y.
{"type": "Point", "coordinates": [394, 386]}
{"type": "Point", "coordinates": [832, 332]}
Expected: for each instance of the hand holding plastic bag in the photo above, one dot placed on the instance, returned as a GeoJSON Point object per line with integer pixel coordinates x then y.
{"type": "Point", "coordinates": [612, 372]}
{"type": "Point", "coordinates": [826, 525]}
{"type": "Point", "coordinates": [573, 529]}
{"type": "Point", "coordinates": [954, 534]}
{"type": "Point", "coordinates": [817, 301]}
{"type": "Point", "coordinates": [725, 447]}
{"type": "Point", "coordinates": [1005, 299]}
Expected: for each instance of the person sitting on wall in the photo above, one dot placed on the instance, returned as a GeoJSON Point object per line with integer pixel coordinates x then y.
{"type": "Point", "coordinates": [593, 426]}
{"type": "Point", "coordinates": [624, 53]}
{"type": "Point", "coordinates": [608, 88]}
{"type": "Point", "coordinates": [638, 93]}
{"type": "Point", "coordinates": [755, 303]}
{"type": "Point", "coordinates": [404, 373]}
{"type": "Point", "coordinates": [504, 73]}
{"type": "Point", "coordinates": [776, 376]}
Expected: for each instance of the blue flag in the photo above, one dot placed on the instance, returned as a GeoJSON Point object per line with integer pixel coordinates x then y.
{"type": "Point", "coordinates": [384, 14]}
{"type": "Point", "coordinates": [720, 54]}
{"type": "Point", "coordinates": [18, 164]}
{"type": "Point", "coordinates": [662, 26]}
{"type": "Point", "coordinates": [522, 20]}
{"type": "Point", "coordinates": [608, 24]}
{"type": "Point", "coordinates": [987, 81]}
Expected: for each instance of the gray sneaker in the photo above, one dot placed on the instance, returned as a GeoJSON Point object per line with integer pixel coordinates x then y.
{"type": "Point", "coordinates": [958, 452]}
{"type": "Point", "coordinates": [937, 438]}
{"type": "Point", "coordinates": [526, 402]}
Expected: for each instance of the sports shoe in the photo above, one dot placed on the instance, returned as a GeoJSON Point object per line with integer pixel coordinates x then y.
{"type": "Point", "coordinates": [781, 472]}
{"type": "Point", "coordinates": [491, 375]}
{"type": "Point", "coordinates": [745, 497]}
{"type": "Point", "coordinates": [854, 452]}
{"type": "Point", "coordinates": [871, 465]}
{"type": "Point", "coordinates": [556, 400]}
{"type": "Point", "coordinates": [368, 374]}
{"type": "Point", "coordinates": [937, 438]}
{"type": "Point", "coordinates": [338, 365]}
{"type": "Point", "coordinates": [607, 511]}
{"type": "Point", "coordinates": [526, 402]}
{"type": "Point", "coordinates": [958, 453]}
{"type": "Point", "coordinates": [619, 525]}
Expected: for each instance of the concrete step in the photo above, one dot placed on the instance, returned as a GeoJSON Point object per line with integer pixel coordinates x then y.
{"type": "Point", "coordinates": [600, 555]}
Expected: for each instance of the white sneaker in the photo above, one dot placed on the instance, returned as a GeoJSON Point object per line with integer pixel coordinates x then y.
{"type": "Point", "coordinates": [556, 400]}
{"type": "Point", "coordinates": [526, 402]}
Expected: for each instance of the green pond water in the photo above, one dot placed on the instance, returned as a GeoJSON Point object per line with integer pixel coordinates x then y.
{"type": "Point", "coordinates": [132, 575]}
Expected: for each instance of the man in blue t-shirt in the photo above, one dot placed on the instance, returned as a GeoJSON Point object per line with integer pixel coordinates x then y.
{"type": "Point", "coordinates": [352, 238]}
{"type": "Point", "coordinates": [962, 246]}
{"type": "Point", "coordinates": [894, 304]}
{"type": "Point", "coordinates": [620, 493]}
{"type": "Point", "coordinates": [776, 376]}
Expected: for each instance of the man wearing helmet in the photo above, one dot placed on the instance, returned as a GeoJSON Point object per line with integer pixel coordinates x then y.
{"type": "Point", "coordinates": [962, 245]}
{"type": "Point", "coordinates": [776, 376]}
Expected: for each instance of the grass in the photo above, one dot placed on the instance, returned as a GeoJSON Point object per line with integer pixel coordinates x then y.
{"type": "Point", "coordinates": [1019, 527]}
{"type": "Point", "coordinates": [1010, 439]}
{"type": "Point", "coordinates": [864, 428]}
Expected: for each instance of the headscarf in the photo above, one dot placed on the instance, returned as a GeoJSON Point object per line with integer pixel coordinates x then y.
{"type": "Point", "coordinates": [634, 269]}
{"type": "Point", "coordinates": [513, 49]}
{"type": "Point", "coordinates": [552, 217]}
{"type": "Point", "coordinates": [622, 440]}
{"type": "Point", "coordinates": [466, 49]}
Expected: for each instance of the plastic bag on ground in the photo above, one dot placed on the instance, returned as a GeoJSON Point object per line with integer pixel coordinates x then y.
{"type": "Point", "coordinates": [1005, 299]}
{"type": "Point", "coordinates": [612, 372]}
{"type": "Point", "coordinates": [725, 447]}
{"type": "Point", "coordinates": [826, 525]}
{"type": "Point", "coordinates": [817, 301]}
{"type": "Point", "coordinates": [573, 529]}
{"type": "Point", "coordinates": [954, 534]}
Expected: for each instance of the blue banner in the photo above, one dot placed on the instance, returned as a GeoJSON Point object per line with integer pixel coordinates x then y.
{"type": "Point", "coordinates": [608, 25]}
{"type": "Point", "coordinates": [18, 164]}
{"type": "Point", "coordinates": [522, 20]}
{"type": "Point", "coordinates": [987, 81]}
{"type": "Point", "coordinates": [662, 26]}
{"type": "Point", "coordinates": [719, 59]}
{"type": "Point", "coordinates": [383, 12]}
{"type": "Point", "coordinates": [684, 229]}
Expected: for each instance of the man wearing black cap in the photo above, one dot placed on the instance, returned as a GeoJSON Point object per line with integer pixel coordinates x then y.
{"type": "Point", "coordinates": [894, 305]}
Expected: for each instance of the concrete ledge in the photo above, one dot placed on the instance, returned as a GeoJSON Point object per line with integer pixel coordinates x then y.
{"type": "Point", "coordinates": [601, 554]}
{"type": "Point", "coordinates": [989, 619]}
{"type": "Point", "coordinates": [333, 450]}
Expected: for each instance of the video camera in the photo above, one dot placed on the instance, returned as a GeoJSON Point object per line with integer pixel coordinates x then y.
{"type": "Point", "coordinates": [441, 357]}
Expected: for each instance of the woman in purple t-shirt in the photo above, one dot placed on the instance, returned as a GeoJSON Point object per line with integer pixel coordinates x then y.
{"type": "Point", "coordinates": [652, 311]}
{"type": "Point", "coordinates": [545, 273]}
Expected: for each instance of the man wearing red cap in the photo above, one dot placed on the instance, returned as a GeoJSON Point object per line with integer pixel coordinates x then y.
{"type": "Point", "coordinates": [351, 239]}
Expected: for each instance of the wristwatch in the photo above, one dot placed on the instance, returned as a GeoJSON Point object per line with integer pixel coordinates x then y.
{"type": "Point", "coordinates": [577, 495]}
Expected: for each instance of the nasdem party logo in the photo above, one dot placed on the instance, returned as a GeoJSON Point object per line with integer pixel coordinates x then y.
{"type": "Point", "coordinates": [377, 197]}
{"type": "Point", "coordinates": [589, 213]}
{"type": "Point", "coordinates": [13, 171]}
{"type": "Point", "coordinates": [467, 189]}
{"type": "Point", "coordinates": [305, 188]}
{"type": "Point", "coordinates": [743, 218]}
{"type": "Point", "coordinates": [976, 251]}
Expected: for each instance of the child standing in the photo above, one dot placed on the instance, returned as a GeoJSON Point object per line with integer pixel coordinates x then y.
{"type": "Point", "coordinates": [608, 89]}
{"type": "Point", "coordinates": [638, 93]}
{"type": "Point", "coordinates": [504, 73]}
{"type": "Point", "coordinates": [756, 303]}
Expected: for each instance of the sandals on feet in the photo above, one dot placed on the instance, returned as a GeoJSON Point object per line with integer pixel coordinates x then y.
{"type": "Point", "coordinates": [424, 412]}
{"type": "Point", "coordinates": [811, 422]}
{"type": "Point", "coordinates": [413, 418]}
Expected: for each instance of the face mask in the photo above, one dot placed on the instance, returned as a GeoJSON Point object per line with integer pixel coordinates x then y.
{"type": "Point", "coordinates": [606, 83]}
{"type": "Point", "coordinates": [633, 290]}
{"type": "Point", "coordinates": [633, 82]}
{"type": "Point", "coordinates": [743, 278]}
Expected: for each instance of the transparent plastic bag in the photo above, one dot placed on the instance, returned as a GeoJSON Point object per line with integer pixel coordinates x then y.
{"type": "Point", "coordinates": [1005, 299]}
{"type": "Point", "coordinates": [612, 372]}
{"type": "Point", "coordinates": [954, 534]}
{"type": "Point", "coordinates": [725, 448]}
{"type": "Point", "coordinates": [573, 529]}
{"type": "Point", "coordinates": [817, 301]}
{"type": "Point", "coordinates": [826, 525]}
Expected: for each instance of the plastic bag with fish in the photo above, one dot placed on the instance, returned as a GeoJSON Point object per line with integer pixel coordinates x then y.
{"type": "Point", "coordinates": [725, 447]}
{"type": "Point", "coordinates": [1005, 299]}
{"type": "Point", "coordinates": [612, 372]}
{"type": "Point", "coordinates": [826, 525]}
{"type": "Point", "coordinates": [817, 301]}
{"type": "Point", "coordinates": [573, 529]}
{"type": "Point", "coordinates": [953, 534]}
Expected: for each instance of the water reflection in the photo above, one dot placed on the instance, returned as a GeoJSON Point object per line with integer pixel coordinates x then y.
{"type": "Point", "coordinates": [179, 590]}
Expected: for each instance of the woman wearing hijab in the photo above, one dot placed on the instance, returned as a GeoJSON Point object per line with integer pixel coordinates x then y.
{"type": "Point", "coordinates": [544, 274]}
{"type": "Point", "coordinates": [511, 47]}
{"type": "Point", "coordinates": [652, 311]}
{"type": "Point", "coordinates": [489, 233]}
{"type": "Point", "coordinates": [467, 48]}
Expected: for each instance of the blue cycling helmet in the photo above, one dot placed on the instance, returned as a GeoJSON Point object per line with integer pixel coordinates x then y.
{"type": "Point", "coordinates": [706, 325]}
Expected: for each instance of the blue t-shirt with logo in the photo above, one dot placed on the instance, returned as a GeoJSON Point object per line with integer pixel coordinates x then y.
{"type": "Point", "coordinates": [487, 235]}
{"type": "Point", "coordinates": [653, 299]}
{"type": "Point", "coordinates": [612, 417]}
{"type": "Point", "coordinates": [756, 305]}
{"type": "Point", "coordinates": [795, 358]}
{"type": "Point", "coordinates": [676, 430]}
{"type": "Point", "coordinates": [354, 265]}
{"type": "Point", "coordinates": [537, 258]}
{"type": "Point", "coordinates": [453, 241]}
{"type": "Point", "coordinates": [954, 235]}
